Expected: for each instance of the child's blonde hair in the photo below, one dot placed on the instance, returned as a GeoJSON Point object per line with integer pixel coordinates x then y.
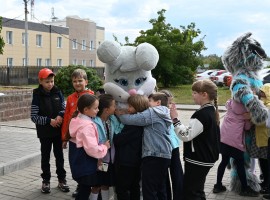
{"type": "Point", "coordinates": [79, 73]}
{"type": "Point", "coordinates": [210, 88]}
{"type": "Point", "coordinates": [138, 102]}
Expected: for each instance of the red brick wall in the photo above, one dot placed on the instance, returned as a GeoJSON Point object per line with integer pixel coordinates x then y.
{"type": "Point", "coordinates": [15, 104]}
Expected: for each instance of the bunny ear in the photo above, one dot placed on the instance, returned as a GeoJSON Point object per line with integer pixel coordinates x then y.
{"type": "Point", "coordinates": [146, 56]}
{"type": "Point", "coordinates": [108, 51]}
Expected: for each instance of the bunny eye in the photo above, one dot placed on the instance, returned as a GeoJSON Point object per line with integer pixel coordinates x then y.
{"type": "Point", "coordinates": [121, 81]}
{"type": "Point", "coordinates": [140, 81]}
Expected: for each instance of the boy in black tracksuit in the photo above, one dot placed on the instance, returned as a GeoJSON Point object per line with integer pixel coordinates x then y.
{"type": "Point", "coordinates": [47, 111]}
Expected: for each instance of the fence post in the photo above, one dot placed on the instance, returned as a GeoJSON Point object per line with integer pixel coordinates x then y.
{"type": "Point", "coordinates": [8, 75]}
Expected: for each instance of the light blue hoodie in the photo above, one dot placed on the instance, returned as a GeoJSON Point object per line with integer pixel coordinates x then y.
{"type": "Point", "coordinates": [156, 138]}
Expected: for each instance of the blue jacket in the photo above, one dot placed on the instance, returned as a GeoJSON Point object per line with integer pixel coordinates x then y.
{"type": "Point", "coordinates": [116, 127]}
{"type": "Point", "coordinates": [156, 139]}
{"type": "Point", "coordinates": [175, 141]}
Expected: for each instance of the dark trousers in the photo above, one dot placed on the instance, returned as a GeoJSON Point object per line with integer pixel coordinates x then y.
{"type": "Point", "coordinates": [228, 152]}
{"type": "Point", "coordinates": [268, 158]}
{"type": "Point", "coordinates": [154, 175]}
{"type": "Point", "coordinates": [83, 192]}
{"type": "Point", "coordinates": [46, 147]}
{"type": "Point", "coordinates": [264, 168]}
{"type": "Point", "coordinates": [194, 179]}
{"type": "Point", "coordinates": [128, 182]}
{"type": "Point", "coordinates": [177, 177]}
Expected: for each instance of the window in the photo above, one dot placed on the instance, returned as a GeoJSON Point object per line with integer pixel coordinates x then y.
{"type": "Point", "coordinates": [59, 42]}
{"type": "Point", "coordinates": [59, 62]}
{"type": "Point", "coordinates": [23, 39]}
{"type": "Point", "coordinates": [39, 62]}
{"type": "Point", "coordinates": [39, 40]}
{"type": "Point", "coordinates": [83, 62]}
{"type": "Point", "coordinates": [9, 37]}
{"type": "Point", "coordinates": [91, 63]}
{"type": "Point", "coordinates": [74, 62]}
{"type": "Point", "coordinates": [9, 62]}
{"type": "Point", "coordinates": [47, 62]}
{"type": "Point", "coordinates": [91, 45]}
{"type": "Point", "coordinates": [83, 45]}
{"type": "Point", "coordinates": [74, 44]}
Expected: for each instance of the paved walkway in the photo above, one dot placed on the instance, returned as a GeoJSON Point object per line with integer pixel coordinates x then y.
{"type": "Point", "coordinates": [20, 164]}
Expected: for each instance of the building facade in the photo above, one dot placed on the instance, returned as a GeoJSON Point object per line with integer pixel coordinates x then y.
{"type": "Point", "coordinates": [48, 45]}
{"type": "Point", "coordinates": [85, 37]}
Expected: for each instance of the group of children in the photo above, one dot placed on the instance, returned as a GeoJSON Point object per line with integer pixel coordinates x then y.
{"type": "Point", "coordinates": [132, 148]}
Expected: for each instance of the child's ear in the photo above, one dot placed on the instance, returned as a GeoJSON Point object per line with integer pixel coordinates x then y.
{"type": "Point", "coordinates": [86, 81]}
{"type": "Point", "coordinates": [158, 102]}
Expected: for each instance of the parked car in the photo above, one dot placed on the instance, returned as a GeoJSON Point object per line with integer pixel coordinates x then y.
{"type": "Point", "coordinates": [219, 80]}
{"type": "Point", "coordinates": [205, 74]}
{"type": "Point", "coordinates": [213, 76]}
{"type": "Point", "coordinates": [227, 80]}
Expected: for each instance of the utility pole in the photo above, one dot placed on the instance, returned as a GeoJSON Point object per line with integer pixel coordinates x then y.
{"type": "Point", "coordinates": [26, 32]}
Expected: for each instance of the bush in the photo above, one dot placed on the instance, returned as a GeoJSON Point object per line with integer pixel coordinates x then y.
{"type": "Point", "coordinates": [64, 83]}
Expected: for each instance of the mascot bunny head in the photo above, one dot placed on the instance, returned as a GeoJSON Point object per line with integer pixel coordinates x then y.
{"type": "Point", "coordinates": [128, 69]}
{"type": "Point", "coordinates": [244, 60]}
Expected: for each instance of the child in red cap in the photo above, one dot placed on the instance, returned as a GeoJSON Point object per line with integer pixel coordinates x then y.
{"type": "Point", "coordinates": [47, 111]}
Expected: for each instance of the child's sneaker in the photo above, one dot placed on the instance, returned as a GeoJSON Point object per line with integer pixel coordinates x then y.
{"type": "Point", "coordinates": [219, 188]}
{"type": "Point", "coordinates": [63, 185]}
{"type": "Point", "coordinates": [45, 188]}
{"type": "Point", "coordinates": [75, 193]}
{"type": "Point", "coordinates": [248, 192]}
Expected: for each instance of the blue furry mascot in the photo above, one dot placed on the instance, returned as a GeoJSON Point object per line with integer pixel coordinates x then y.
{"type": "Point", "coordinates": [244, 60]}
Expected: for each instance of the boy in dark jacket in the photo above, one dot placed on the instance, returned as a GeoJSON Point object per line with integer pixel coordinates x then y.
{"type": "Point", "coordinates": [47, 111]}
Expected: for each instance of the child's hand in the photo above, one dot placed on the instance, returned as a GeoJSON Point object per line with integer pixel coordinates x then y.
{"type": "Point", "coordinates": [107, 144]}
{"type": "Point", "coordinates": [247, 115]}
{"type": "Point", "coordinates": [173, 111]}
{"type": "Point", "coordinates": [64, 144]}
{"type": "Point", "coordinates": [59, 120]}
{"type": "Point", "coordinates": [54, 123]}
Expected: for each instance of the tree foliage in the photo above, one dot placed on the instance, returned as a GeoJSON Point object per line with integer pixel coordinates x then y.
{"type": "Point", "coordinates": [178, 51]}
{"type": "Point", "coordinates": [2, 43]}
{"type": "Point", "coordinates": [214, 62]}
{"type": "Point", "coordinates": [64, 83]}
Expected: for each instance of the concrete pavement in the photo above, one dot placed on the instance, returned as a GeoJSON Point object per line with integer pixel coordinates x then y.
{"type": "Point", "coordinates": [20, 164]}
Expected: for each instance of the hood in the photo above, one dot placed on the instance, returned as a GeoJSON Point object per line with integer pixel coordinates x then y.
{"type": "Point", "coordinates": [164, 113]}
{"type": "Point", "coordinates": [77, 124]}
{"type": "Point", "coordinates": [266, 89]}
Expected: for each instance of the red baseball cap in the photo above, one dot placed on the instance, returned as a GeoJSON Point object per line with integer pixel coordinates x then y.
{"type": "Point", "coordinates": [44, 73]}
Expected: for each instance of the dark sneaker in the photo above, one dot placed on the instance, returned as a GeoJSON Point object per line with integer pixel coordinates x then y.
{"type": "Point", "coordinates": [266, 197]}
{"type": "Point", "coordinates": [248, 192]}
{"type": "Point", "coordinates": [75, 193]}
{"type": "Point", "coordinates": [45, 187]}
{"type": "Point", "coordinates": [63, 186]}
{"type": "Point", "coordinates": [219, 188]}
{"type": "Point", "coordinates": [265, 190]}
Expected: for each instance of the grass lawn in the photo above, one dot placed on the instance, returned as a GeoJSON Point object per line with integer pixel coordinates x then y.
{"type": "Point", "coordinates": [182, 94]}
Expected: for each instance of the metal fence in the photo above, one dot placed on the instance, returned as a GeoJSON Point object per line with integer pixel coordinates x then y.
{"type": "Point", "coordinates": [20, 75]}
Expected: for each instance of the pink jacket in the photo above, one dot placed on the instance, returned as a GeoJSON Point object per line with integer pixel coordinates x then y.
{"type": "Point", "coordinates": [83, 132]}
{"type": "Point", "coordinates": [234, 124]}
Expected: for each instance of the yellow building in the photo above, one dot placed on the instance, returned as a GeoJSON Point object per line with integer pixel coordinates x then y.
{"type": "Point", "coordinates": [48, 45]}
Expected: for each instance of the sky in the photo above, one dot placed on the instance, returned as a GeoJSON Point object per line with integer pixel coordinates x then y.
{"type": "Point", "coordinates": [220, 22]}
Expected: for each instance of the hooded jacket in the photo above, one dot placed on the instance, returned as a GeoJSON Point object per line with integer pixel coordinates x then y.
{"type": "Point", "coordinates": [234, 125]}
{"type": "Point", "coordinates": [261, 131]}
{"type": "Point", "coordinates": [84, 148]}
{"type": "Point", "coordinates": [156, 138]}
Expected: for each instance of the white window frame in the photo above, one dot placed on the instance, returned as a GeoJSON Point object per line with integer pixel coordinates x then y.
{"type": "Point", "coordinates": [39, 62]}
{"type": "Point", "coordinates": [91, 63]}
{"type": "Point", "coordinates": [59, 42]}
{"type": "Point", "coordinates": [59, 62]}
{"type": "Point", "coordinates": [91, 45]}
{"type": "Point", "coordinates": [47, 62]}
{"type": "Point", "coordinates": [83, 63]}
{"type": "Point", "coordinates": [9, 37]}
{"type": "Point", "coordinates": [9, 62]}
{"type": "Point", "coordinates": [74, 44]}
{"type": "Point", "coordinates": [39, 40]}
{"type": "Point", "coordinates": [83, 45]}
{"type": "Point", "coordinates": [74, 61]}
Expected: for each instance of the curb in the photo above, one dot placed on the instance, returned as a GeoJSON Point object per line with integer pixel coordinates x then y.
{"type": "Point", "coordinates": [19, 164]}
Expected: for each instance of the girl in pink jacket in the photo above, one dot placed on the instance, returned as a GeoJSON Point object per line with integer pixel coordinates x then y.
{"type": "Point", "coordinates": [232, 145]}
{"type": "Point", "coordinates": [84, 149]}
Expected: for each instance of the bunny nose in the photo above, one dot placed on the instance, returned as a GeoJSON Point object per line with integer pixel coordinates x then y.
{"type": "Point", "coordinates": [132, 92]}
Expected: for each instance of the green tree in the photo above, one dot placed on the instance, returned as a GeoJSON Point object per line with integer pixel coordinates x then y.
{"type": "Point", "coordinates": [214, 62]}
{"type": "Point", "coordinates": [178, 51]}
{"type": "Point", "coordinates": [2, 43]}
